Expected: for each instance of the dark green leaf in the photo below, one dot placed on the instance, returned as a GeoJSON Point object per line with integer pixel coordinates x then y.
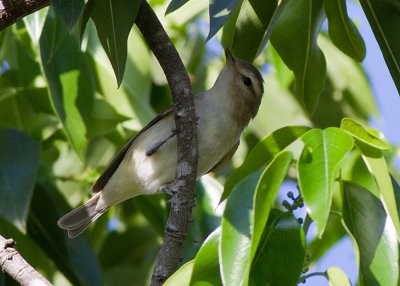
{"type": "Point", "coordinates": [383, 16]}
{"type": "Point", "coordinates": [175, 5]}
{"type": "Point", "coordinates": [295, 39]}
{"type": "Point", "coordinates": [257, 16]}
{"type": "Point", "coordinates": [343, 32]}
{"type": "Point", "coordinates": [318, 165]}
{"type": "Point", "coordinates": [266, 192]}
{"type": "Point", "coordinates": [68, 11]}
{"type": "Point", "coordinates": [19, 160]}
{"type": "Point", "coordinates": [220, 10]}
{"type": "Point", "coordinates": [263, 153]}
{"type": "Point", "coordinates": [114, 21]}
{"type": "Point", "coordinates": [73, 257]}
{"type": "Point", "coordinates": [206, 266]}
{"type": "Point", "coordinates": [236, 229]}
{"type": "Point", "coordinates": [281, 253]}
{"type": "Point", "coordinates": [365, 217]}
{"type": "Point", "coordinates": [70, 81]}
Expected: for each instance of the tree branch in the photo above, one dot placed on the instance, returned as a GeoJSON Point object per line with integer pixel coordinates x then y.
{"type": "Point", "coordinates": [11, 10]}
{"type": "Point", "coordinates": [186, 124]}
{"type": "Point", "coordinates": [16, 266]}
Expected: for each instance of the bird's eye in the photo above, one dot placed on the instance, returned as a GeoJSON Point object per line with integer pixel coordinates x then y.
{"type": "Point", "coordinates": [246, 81]}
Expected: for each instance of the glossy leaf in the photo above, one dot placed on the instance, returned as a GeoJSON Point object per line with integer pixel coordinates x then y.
{"type": "Point", "coordinates": [114, 21]}
{"type": "Point", "coordinates": [295, 39]}
{"type": "Point", "coordinates": [70, 82]}
{"type": "Point", "coordinates": [383, 16]}
{"type": "Point", "coordinates": [342, 31]}
{"type": "Point", "coordinates": [263, 153]}
{"type": "Point", "coordinates": [318, 165]}
{"type": "Point", "coordinates": [220, 11]}
{"type": "Point", "coordinates": [19, 161]}
{"type": "Point", "coordinates": [236, 229]}
{"type": "Point", "coordinates": [267, 189]}
{"type": "Point", "coordinates": [175, 5]}
{"type": "Point", "coordinates": [365, 217]}
{"type": "Point", "coordinates": [182, 276]}
{"type": "Point", "coordinates": [361, 133]}
{"type": "Point", "coordinates": [247, 45]}
{"type": "Point", "coordinates": [68, 11]}
{"type": "Point", "coordinates": [337, 277]}
{"type": "Point", "coordinates": [378, 168]}
{"type": "Point", "coordinates": [280, 256]}
{"type": "Point", "coordinates": [206, 266]}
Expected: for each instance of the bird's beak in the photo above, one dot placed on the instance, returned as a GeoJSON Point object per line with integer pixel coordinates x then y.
{"type": "Point", "coordinates": [230, 60]}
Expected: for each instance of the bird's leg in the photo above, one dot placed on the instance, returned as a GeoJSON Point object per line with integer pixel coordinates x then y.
{"type": "Point", "coordinates": [168, 189]}
{"type": "Point", "coordinates": [154, 148]}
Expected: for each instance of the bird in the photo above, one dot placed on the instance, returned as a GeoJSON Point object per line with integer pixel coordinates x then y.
{"type": "Point", "coordinates": [147, 163]}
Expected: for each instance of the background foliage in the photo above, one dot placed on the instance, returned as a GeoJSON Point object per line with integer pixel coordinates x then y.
{"type": "Point", "coordinates": [77, 81]}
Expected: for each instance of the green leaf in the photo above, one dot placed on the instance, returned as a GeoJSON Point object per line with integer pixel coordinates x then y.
{"type": "Point", "coordinates": [365, 217]}
{"type": "Point", "coordinates": [295, 39]}
{"type": "Point", "coordinates": [263, 153]}
{"type": "Point", "coordinates": [68, 11]}
{"type": "Point", "coordinates": [73, 257]}
{"type": "Point", "coordinates": [383, 16]}
{"type": "Point", "coordinates": [114, 21]}
{"type": "Point", "coordinates": [343, 32]}
{"type": "Point", "coordinates": [236, 229]}
{"type": "Point", "coordinates": [70, 81]}
{"type": "Point", "coordinates": [220, 10]}
{"type": "Point", "coordinates": [337, 277]}
{"type": "Point", "coordinates": [34, 24]}
{"type": "Point", "coordinates": [206, 267]}
{"type": "Point", "coordinates": [104, 119]}
{"type": "Point", "coordinates": [266, 192]}
{"type": "Point", "coordinates": [349, 78]}
{"type": "Point", "coordinates": [361, 133]}
{"type": "Point", "coordinates": [175, 5]}
{"type": "Point", "coordinates": [182, 276]}
{"type": "Point", "coordinates": [378, 168]}
{"type": "Point", "coordinates": [19, 160]}
{"type": "Point", "coordinates": [257, 16]}
{"type": "Point", "coordinates": [280, 256]}
{"type": "Point", "coordinates": [318, 165]}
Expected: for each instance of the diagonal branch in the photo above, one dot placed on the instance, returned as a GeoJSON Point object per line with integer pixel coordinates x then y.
{"type": "Point", "coordinates": [183, 200]}
{"type": "Point", "coordinates": [16, 266]}
{"type": "Point", "coordinates": [11, 11]}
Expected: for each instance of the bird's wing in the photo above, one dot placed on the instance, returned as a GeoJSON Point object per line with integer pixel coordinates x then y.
{"type": "Point", "coordinates": [106, 175]}
{"type": "Point", "coordinates": [225, 158]}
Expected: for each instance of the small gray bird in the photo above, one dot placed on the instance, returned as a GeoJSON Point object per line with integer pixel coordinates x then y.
{"type": "Point", "coordinates": [148, 160]}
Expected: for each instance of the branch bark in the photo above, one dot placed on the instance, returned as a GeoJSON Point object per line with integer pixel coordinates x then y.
{"type": "Point", "coordinates": [16, 266]}
{"type": "Point", "coordinates": [11, 11]}
{"type": "Point", "coordinates": [186, 124]}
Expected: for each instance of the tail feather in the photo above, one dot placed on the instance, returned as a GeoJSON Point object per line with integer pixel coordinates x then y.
{"type": "Point", "coordinates": [80, 218]}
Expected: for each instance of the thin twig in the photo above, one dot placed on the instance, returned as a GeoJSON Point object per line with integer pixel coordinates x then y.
{"type": "Point", "coordinates": [185, 120]}
{"type": "Point", "coordinates": [16, 266]}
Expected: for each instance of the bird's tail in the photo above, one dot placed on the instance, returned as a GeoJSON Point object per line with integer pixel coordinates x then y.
{"type": "Point", "coordinates": [80, 218]}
